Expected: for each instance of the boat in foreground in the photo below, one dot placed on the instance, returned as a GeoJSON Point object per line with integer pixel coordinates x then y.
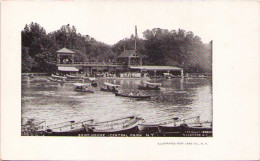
{"type": "Point", "coordinates": [69, 128]}
{"type": "Point", "coordinates": [187, 127]}
{"type": "Point", "coordinates": [125, 125]}
{"type": "Point", "coordinates": [148, 127]}
{"type": "Point", "coordinates": [83, 87]}
{"type": "Point", "coordinates": [149, 86]}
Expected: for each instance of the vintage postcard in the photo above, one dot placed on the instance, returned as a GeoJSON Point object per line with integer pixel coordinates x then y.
{"type": "Point", "coordinates": [162, 75]}
{"type": "Point", "coordinates": [75, 85]}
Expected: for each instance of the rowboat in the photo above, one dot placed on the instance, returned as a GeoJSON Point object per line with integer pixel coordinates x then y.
{"type": "Point", "coordinates": [73, 77]}
{"type": "Point", "coordinates": [57, 78]}
{"type": "Point", "coordinates": [149, 86]}
{"type": "Point", "coordinates": [80, 87]}
{"type": "Point", "coordinates": [52, 79]}
{"type": "Point", "coordinates": [123, 126]}
{"type": "Point", "coordinates": [41, 129]}
{"type": "Point", "coordinates": [110, 87]}
{"type": "Point", "coordinates": [69, 128]}
{"type": "Point", "coordinates": [184, 125]}
{"type": "Point", "coordinates": [153, 126]}
{"type": "Point", "coordinates": [132, 96]}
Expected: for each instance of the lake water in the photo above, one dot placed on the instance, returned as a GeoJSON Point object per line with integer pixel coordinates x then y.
{"type": "Point", "coordinates": [53, 102]}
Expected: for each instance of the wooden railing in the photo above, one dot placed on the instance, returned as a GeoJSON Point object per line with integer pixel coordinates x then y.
{"type": "Point", "coordinates": [91, 64]}
{"type": "Point", "coordinates": [95, 64]}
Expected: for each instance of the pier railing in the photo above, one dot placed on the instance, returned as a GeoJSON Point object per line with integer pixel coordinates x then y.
{"type": "Point", "coordinates": [95, 64]}
{"type": "Point", "coordinates": [91, 64]}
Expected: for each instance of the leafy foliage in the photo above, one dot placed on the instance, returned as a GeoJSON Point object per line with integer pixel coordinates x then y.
{"type": "Point", "coordinates": [177, 48]}
{"type": "Point", "coordinates": [160, 47]}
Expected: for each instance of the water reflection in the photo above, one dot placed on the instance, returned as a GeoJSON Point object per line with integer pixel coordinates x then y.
{"type": "Point", "coordinates": [56, 102]}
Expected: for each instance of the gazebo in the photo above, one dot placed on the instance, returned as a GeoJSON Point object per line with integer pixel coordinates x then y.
{"type": "Point", "coordinates": [65, 56]}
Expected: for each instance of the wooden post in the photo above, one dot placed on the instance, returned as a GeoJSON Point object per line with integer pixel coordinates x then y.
{"type": "Point", "coordinates": [129, 61]}
{"type": "Point", "coordinates": [181, 84]}
{"type": "Point", "coordinates": [58, 58]}
{"type": "Point", "coordinates": [182, 75]}
{"type": "Point", "coordinates": [72, 58]}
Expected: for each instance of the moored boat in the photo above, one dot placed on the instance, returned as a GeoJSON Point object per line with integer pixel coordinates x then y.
{"type": "Point", "coordinates": [57, 78]}
{"type": "Point", "coordinates": [52, 79]}
{"type": "Point", "coordinates": [123, 126]}
{"type": "Point", "coordinates": [153, 126]}
{"type": "Point", "coordinates": [67, 128]}
{"type": "Point", "coordinates": [83, 87]}
{"type": "Point", "coordinates": [41, 129]}
{"type": "Point", "coordinates": [149, 86]}
{"type": "Point", "coordinates": [132, 95]}
{"type": "Point", "coordinates": [187, 126]}
{"type": "Point", "coordinates": [73, 77]}
{"type": "Point", "coordinates": [110, 87]}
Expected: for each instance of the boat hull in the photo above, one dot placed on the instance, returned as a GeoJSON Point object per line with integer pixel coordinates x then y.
{"type": "Point", "coordinates": [73, 132]}
{"type": "Point", "coordinates": [140, 97]}
{"type": "Point", "coordinates": [172, 128]}
{"type": "Point", "coordinates": [147, 88]}
{"type": "Point", "coordinates": [107, 90]}
{"type": "Point", "coordinates": [130, 130]}
{"type": "Point", "coordinates": [144, 128]}
{"type": "Point", "coordinates": [87, 91]}
{"type": "Point", "coordinates": [185, 131]}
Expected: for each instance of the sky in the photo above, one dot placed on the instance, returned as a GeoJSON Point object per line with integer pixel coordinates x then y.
{"type": "Point", "coordinates": [111, 21]}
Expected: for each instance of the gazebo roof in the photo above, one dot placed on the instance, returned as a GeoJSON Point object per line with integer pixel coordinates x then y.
{"type": "Point", "coordinates": [128, 53]}
{"type": "Point", "coordinates": [65, 50]}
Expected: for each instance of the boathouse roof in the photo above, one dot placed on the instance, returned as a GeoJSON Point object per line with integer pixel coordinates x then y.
{"type": "Point", "coordinates": [129, 53]}
{"type": "Point", "coordinates": [68, 69]}
{"type": "Point", "coordinates": [157, 68]}
{"type": "Point", "coordinates": [65, 50]}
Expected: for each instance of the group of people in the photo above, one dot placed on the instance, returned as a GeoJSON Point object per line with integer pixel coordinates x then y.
{"type": "Point", "coordinates": [131, 92]}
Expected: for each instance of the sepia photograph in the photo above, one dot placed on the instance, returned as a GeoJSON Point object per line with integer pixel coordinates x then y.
{"type": "Point", "coordinates": [129, 80]}
{"type": "Point", "coordinates": [154, 81]}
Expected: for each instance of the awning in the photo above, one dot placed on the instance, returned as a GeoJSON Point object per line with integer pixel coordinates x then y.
{"type": "Point", "coordinates": [68, 69]}
{"type": "Point", "coordinates": [157, 68]}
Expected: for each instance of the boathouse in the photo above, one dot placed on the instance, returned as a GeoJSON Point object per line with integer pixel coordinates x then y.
{"type": "Point", "coordinates": [130, 58]}
{"type": "Point", "coordinates": [74, 62]}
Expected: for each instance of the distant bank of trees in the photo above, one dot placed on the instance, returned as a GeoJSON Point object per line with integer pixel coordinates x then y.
{"type": "Point", "coordinates": [159, 47]}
